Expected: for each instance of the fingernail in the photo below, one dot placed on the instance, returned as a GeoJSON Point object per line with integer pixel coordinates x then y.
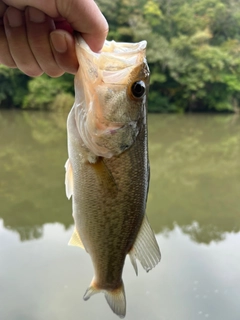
{"type": "Point", "coordinates": [59, 42]}
{"type": "Point", "coordinates": [14, 17]}
{"type": "Point", "coordinates": [36, 15]}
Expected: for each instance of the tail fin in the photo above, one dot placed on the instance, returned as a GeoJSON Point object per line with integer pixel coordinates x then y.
{"type": "Point", "coordinates": [115, 298]}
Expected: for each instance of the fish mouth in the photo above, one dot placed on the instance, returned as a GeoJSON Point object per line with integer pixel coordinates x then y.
{"type": "Point", "coordinates": [114, 57]}
{"type": "Point", "coordinates": [106, 76]}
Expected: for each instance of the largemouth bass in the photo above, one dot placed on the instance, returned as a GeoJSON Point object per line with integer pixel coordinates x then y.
{"type": "Point", "coordinates": [107, 173]}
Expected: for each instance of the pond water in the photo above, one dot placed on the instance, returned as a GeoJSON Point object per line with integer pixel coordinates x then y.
{"type": "Point", "coordinates": [193, 207]}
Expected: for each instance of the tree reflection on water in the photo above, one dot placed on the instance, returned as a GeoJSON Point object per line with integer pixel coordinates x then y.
{"type": "Point", "coordinates": [195, 173]}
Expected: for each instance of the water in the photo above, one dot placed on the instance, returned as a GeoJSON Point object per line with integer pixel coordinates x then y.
{"type": "Point", "coordinates": [194, 207]}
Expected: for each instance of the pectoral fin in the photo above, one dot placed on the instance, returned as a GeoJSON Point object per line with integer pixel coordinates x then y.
{"type": "Point", "coordinates": [76, 240]}
{"type": "Point", "coordinates": [105, 177]}
{"type": "Point", "coordinates": [145, 248]}
{"type": "Point", "coordinates": [68, 179]}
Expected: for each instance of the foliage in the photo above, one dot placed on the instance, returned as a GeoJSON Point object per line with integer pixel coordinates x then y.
{"type": "Point", "coordinates": [193, 54]}
{"type": "Point", "coordinates": [63, 101]}
{"type": "Point", "coordinates": [45, 92]}
{"type": "Point", "coordinates": [13, 87]}
{"type": "Point", "coordinates": [193, 50]}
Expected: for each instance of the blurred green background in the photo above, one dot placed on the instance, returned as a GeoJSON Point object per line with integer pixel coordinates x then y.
{"type": "Point", "coordinates": [193, 53]}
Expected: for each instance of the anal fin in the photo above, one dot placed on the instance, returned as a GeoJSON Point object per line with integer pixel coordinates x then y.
{"type": "Point", "coordinates": [145, 248]}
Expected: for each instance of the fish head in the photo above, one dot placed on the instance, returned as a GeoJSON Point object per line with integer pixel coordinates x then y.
{"type": "Point", "coordinates": [110, 95]}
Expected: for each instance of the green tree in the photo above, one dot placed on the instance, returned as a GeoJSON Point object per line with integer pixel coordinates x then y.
{"type": "Point", "coordinates": [13, 87]}
{"type": "Point", "coordinates": [193, 53]}
{"type": "Point", "coordinates": [45, 91]}
{"type": "Point", "coordinates": [193, 50]}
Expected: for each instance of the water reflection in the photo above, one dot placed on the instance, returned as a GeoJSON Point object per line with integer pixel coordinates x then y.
{"type": "Point", "coordinates": [195, 179]}
{"type": "Point", "coordinates": [32, 155]}
{"type": "Point", "coordinates": [193, 206]}
{"type": "Point", "coordinates": [46, 279]}
{"type": "Point", "coordinates": [195, 174]}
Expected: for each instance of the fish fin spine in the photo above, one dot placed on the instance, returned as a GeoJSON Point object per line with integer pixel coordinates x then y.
{"type": "Point", "coordinates": [115, 298]}
{"type": "Point", "coordinates": [132, 256]}
{"type": "Point", "coordinates": [76, 240]}
{"type": "Point", "coordinates": [68, 179]}
{"type": "Point", "coordinates": [145, 248]}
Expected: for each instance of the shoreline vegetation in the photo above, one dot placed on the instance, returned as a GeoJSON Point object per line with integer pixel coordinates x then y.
{"type": "Point", "coordinates": [193, 54]}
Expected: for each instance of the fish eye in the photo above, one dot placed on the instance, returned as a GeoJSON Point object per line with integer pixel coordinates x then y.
{"type": "Point", "coordinates": [138, 89]}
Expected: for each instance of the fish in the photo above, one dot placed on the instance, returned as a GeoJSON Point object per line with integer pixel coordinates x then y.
{"type": "Point", "coordinates": [107, 171]}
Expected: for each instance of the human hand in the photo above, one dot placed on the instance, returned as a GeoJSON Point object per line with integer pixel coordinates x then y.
{"type": "Point", "coordinates": [37, 36]}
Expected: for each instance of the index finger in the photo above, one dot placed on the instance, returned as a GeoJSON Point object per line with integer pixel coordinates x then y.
{"type": "Point", "coordinates": [86, 18]}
